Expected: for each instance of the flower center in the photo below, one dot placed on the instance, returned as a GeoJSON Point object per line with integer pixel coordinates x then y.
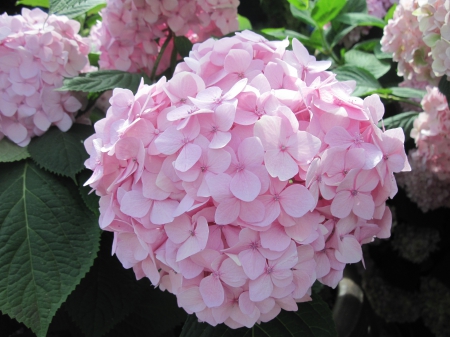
{"type": "Point", "coordinates": [354, 192]}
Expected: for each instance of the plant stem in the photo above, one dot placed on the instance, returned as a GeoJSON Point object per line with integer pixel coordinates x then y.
{"type": "Point", "coordinates": [158, 59]}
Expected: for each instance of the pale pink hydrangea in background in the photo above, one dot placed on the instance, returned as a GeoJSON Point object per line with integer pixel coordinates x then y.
{"type": "Point", "coordinates": [244, 178]}
{"type": "Point", "coordinates": [429, 183]}
{"type": "Point", "coordinates": [36, 52]}
{"type": "Point", "coordinates": [402, 37]}
{"type": "Point", "coordinates": [133, 31]}
{"type": "Point", "coordinates": [433, 17]}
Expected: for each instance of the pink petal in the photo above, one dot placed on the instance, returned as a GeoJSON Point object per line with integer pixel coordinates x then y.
{"type": "Point", "coordinates": [252, 211]}
{"type": "Point", "coordinates": [275, 238]}
{"type": "Point", "coordinates": [342, 204]}
{"type": "Point", "coordinates": [178, 229]}
{"type": "Point", "coordinates": [252, 262]}
{"type": "Point", "coordinates": [162, 211]}
{"type": "Point", "coordinates": [280, 164]}
{"type": "Point", "coordinates": [245, 185]}
{"type": "Point", "coordinates": [296, 200]}
{"type": "Point", "coordinates": [135, 204]}
{"type": "Point", "coordinates": [363, 206]}
{"type": "Point", "coordinates": [261, 288]}
{"type": "Point", "coordinates": [188, 156]}
{"type": "Point", "coordinates": [212, 291]}
{"type": "Point", "coordinates": [232, 274]}
{"type": "Point", "coordinates": [227, 212]}
{"type": "Point", "coordinates": [349, 250]}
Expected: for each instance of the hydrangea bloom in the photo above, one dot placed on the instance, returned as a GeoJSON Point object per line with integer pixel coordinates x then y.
{"type": "Point", "coordinates": [431, 159]}
{"type": "Point", "coordinates": [132, 32]}
{"type": "Point", "coordinates": [434, 24]}
{"type": "Point", "coordinates": [403, 38]}
{"type": "Point", "coordinates": [243, 179]}
{"type": "Point", "coordinates": [36, 52]}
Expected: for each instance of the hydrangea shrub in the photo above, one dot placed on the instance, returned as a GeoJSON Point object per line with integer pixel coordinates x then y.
{"type": "Point", "coordinates": [37, 52]}
{"type": "Point", "coordinates": [244, 178]}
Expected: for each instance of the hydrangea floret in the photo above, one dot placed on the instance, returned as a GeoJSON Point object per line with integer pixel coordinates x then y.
{"type": "Point", "coordinates": [132, 32]}
{"type": "Point", "coordinates": [403, 38]}
{"type": "Point", "coordinates": [245, 178]}
{"type": "Point", "coordinates": [37, 51]}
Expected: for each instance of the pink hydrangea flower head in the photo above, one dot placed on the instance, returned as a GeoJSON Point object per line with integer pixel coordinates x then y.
{"type": "Point", "coordinates": [243, 179]}
{"type": "Point", "coordinates": [36, 52]}
{"type": "Point", "coordinates": [133, 32]}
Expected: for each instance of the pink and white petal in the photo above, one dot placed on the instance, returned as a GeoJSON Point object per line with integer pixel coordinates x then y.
{"type": "Point", "coordinates": [188, 156]}
{"type": "Point", "coordinates": [245, 185]}
{"type": "Point", "coordinates": [218, 160]}
{"type": "Point", "coordinates": [280, 164]}
{"type": "Point", "coordinates": [297, 200]}
{"type": "Point", "coordinates": [251, 152]}
{"type": "Point", "coordinates": [342, 204]}
{"type": "Point", "coordinates": [135, 204]}
{"type": "Point", "coordinates": [227, 211]}
{"type": "Point", "coordinates": [162, 211]}
{"type": "Point", "coordinates": [349, 250]}
{"type": "Point", "coordinates": [188, 248]}
{"type": "Point", "coordinates": [275, 238]}
{"type": "Point", "coordinates": [363, 206]}
{"type": "Point", "coordinates": [170, 141]}
{"type": "Point", "coordinates": [252, 211]}
{"type": "Point", "coordinates": [220, 139]}
{"type": "Point", "coordinates": [212, 291]}
{"type": "Point", "coordinates": [261, 288]}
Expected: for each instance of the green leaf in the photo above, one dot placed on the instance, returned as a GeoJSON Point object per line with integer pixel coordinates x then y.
{"type": "Point", "coordinates": [93, 59]}
{"type": "Point", "coordinates": [367, 61]}
{"type": "Point", "coordinates": [367, 45]}
{"type": "Point", "coordinates": [34, 3]}
{"type": "Point", "coordinates": [91, 200]}
{"type": "Point", "coordinates": [326, 10]}
{"type": "Point", "coordinates": [379, 54]}
{"type": "Point", "coordinates": [313, 319]}
{"type": "Point", "coordinates": [244, 23]}
{"type": "Point", "coordinates": [299, 4]}
{"type": "Point", "coordinates": [407, 92]}
{"type": "Point", "coordinates": [105, 296]}
{"type": "Point", "coordinates": [360, 19]}
{"type": "Point", "coordinates": [390, 13]}
{"type": "Point", "coordinates": [303, 15]}
{"type": "Point", "coordinates": [61, 152]}
{"type": "Point", "coordinates": [183, 45]}
{"type": "Point", "coordinates": [73, 8]}
{"type": "Point", "coordinates": [342, 33]}
{"type": "Point", "coordinates": [156, 312]}
{"type": "Point", "coordinates": [365, 81]}
{"type": "Point", "coordinates": [10, 152]}
{"type": "Point", "coordinates": [48, 241]}
{"type": "Point", "coordinates": [404, 120]}
{"type": "Point", "coordinates": [281, 34]}
{"type": "Point", "coordinates": [103, 80]}
{"type": "Point", "coordinates": [444, 88]}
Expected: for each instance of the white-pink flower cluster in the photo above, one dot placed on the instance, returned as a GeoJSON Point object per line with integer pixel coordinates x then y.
{"type": "Point", "coordinates": [36, 52]}
{"type": "Point", "coordinates": [433, 17]}
{"type": "Point", "coordinates": [244, 178]}
{"type": "Point", "coordinates": [133, 32]}
{"type": "Point", "coordinates": [403, 38]}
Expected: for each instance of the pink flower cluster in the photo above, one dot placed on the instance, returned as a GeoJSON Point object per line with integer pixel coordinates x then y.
{"type": "Point", "coordinates": [244, 178]}
{"type": "Point", "coordinates": [431, 133]}
{"type": "Point", "coordinates": [36, 52]}
{"type": "Point", "coordinates": [132, 32]}
{"type": "Point", "coordinates": [403, 38]}
{"type": "Point", "coordinates": [433, 17]}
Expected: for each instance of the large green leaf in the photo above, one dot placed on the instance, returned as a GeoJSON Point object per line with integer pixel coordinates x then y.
{"type": "Point", "coordinates": [302, 15]}
{"type": "Point", "coordinates": [313, 319]}
{"type": "Point", "coordinates": [404, 120]}
{"type": "Point", "coordinates": [299, 4]}
{"type": "Point", "coordinates": [103, 80]}
{"type": "Point", "coordinates": [367, 61]}
{"type": "Point", "coordinates": [10, 152]}
{"type": "Point", "coordinates": [360, 19]}
{"type": "Point", "coordinates": [244, 23]}
{"type": "Point", "coordinates": [34, 3]}
{"type": "Point", "coordinates": [407, 92]}
{"type": "Point", "coordinates": [365, 81]}
{"type": "Point", "coordinates": [78, 9]}
{"type": "Point", "coordinates": [105, 296]}
{"type": "Point", "coordinates": [48, 241]}
{"type": "Point", "coordinates": [61, 152]}
{"type": "Point", "coordinates": [326, 10]}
